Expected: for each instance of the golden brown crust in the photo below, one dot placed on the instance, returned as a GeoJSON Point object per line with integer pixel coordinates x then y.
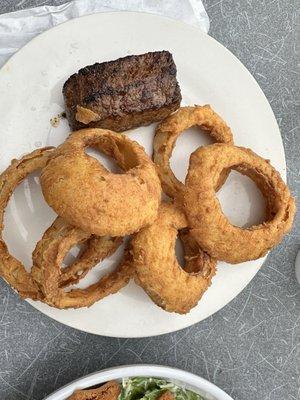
{"type": "Point", "coordinates": [209, 226]}
{"type": "Point", "coordinates": [90, 197]}
{"type": "Point", "coordinates": [168, 131]}
{"type": "Point", "coordinates": [97, 248]}
{"type": "Point", "coordinates": [49, 254]}
{"type": "Point", "coordinates": [62, 237]}
{"type": "Point", "coordinates": [157, 269]}
{"type": "Point", "coordinates": [167, 395]}
{"type": "Point", "coordinates": [11, 269]}
{"type": "Point", "coordinates": [86, 116]}
{"type": "Point", "coordinates": [109, 391]}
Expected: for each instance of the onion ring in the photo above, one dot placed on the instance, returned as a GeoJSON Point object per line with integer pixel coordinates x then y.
{"type": "Point", "coordinates": [209, 226]}
{"type": "Point", "coordinates": [90, 197]}
{"type": "Point", "coordinates": [11, 269]}
{"type": "Point", "coordinates": [63, 236]}
{"type": "Point", "coordinates": [167, 133]}
{"type": "Point", "coordinates": [49, 254]}
{"type": "Point", "coordinates": [157, 270]}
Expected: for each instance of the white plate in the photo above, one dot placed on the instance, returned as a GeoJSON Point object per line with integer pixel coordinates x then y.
{"type": "Point", "coordinates": [30, 87]}
{"type": "Point", "coordinates": [178, 376]}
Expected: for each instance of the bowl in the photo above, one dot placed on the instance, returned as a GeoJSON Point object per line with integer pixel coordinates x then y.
{"type": "Point", "coordinates": [182, 378]}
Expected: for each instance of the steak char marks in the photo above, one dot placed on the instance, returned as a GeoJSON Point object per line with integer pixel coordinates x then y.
{"type": "Point", "coordinates": [123, 94]}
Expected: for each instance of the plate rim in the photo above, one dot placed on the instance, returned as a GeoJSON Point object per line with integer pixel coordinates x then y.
{"type": "Point", "coordinates": [237, 61]}
{"type": "Point", "coordinates": [125, 371]}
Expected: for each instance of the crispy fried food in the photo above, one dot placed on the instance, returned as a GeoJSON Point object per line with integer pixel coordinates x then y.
{"type": "Point", "coordinates": [97, 248]}
{"type": "Point", "coordinates": [167, 133]}
{"type": "Point", "coordinates": [50, 252]}
{"type": "Point", "coordinates": [108, 391]}
{"type": "Point", "coordinates": [90, 197]}
{"type": "Point", "coordinates": [209, 226]}
{"type": "Point", "coordinates": [157, 269]}
{"type": "Point", "coordinates": [62, 237]}
{"type": "Point", "coordinates": [11, 269]}
{"type": "Point", "coordinates": [167, 395]}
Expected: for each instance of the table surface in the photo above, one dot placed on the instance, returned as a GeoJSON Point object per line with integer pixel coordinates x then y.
{"type": "Point", "coordinates": [251, 348]}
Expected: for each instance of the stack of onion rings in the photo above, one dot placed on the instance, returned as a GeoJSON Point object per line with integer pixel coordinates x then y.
{"type": "Point", "coordinates": [90, 197]}
{"type": "Point", "coordinates": [97, 208]}
{"type": "Point", "coordinates": [167, 133]}
{"type": "Point", "coordinates": [31, 285]}
{"type": "Point", "coordinates": [209, 226]}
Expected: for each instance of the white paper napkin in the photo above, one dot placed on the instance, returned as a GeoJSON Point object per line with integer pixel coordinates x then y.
{"type": "Point", "coordinates": [17, 28]}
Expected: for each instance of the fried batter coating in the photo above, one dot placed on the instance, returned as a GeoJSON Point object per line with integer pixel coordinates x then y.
{"type": "Point", "coordinates": [172, 127]}
{"type": "Point", "coordinates": [157, 269]}
{"type": "Point", "coordinates": [11, 269]}
{"type": "Point", "coordinates": [211, 228]}
{"type": "Point", "coordinates": [109, 391]}
{"type": "Point", "coordinates": [94, 199]}
{"type": "Point", "coordinates": [50, 252]}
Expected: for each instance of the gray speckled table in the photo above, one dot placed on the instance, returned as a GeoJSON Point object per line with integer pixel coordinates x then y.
{"type": "Point", "coordinates": [251, 348]}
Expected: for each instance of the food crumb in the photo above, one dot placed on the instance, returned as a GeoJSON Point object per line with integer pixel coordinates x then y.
{"type": "Point", "coordinates": [56, 120]}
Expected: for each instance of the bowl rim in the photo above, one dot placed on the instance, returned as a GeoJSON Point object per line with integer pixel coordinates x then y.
{"type": "Point", "coordinates": [188, 378]}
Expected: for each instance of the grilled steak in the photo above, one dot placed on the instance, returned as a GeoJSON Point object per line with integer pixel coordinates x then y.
{"type": "Point", "coordinates": [123, 94]}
